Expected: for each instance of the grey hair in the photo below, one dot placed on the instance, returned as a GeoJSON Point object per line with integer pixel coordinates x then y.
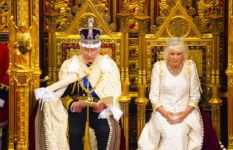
{"type": "Point", "coordinates": [87, 47]}
{"type": "Point", "coordinates": [179, 48]}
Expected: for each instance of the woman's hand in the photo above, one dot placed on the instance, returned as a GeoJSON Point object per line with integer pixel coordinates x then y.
{"type": "Point", "coordinates": [77, 107]}
{"type": "Point", "coordinates": [183, 114]}
{"type": "Point", "coordinates": [170, 117]}
{"type": "Point", "coordinates": [99, 108]}
{"type": "Point", "coordinates": [174, 118]}
{"type": "Point", "coordinates": [180, 116]}
{"type": "Point", "coordinates": [167, 115]}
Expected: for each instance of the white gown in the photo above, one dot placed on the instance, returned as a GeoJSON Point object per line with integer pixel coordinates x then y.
{"type": "Point", "coordinates": [174, 94]}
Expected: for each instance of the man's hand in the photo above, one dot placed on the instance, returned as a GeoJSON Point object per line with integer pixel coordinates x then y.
{"type": "Point", "coordinates": [77, 107]}
{"type": "Point", "coordinates": [99, 108]}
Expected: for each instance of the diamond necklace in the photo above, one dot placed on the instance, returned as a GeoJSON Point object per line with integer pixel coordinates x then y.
{"type": "Point", "coordinates": [173, 72]}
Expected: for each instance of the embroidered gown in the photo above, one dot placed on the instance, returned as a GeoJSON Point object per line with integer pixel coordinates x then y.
{"type": "Point", "coordinates": [174, 93]}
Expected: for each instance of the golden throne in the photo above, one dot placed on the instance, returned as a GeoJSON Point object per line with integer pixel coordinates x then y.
{"type": "Point", "coordinates": [180, 24]}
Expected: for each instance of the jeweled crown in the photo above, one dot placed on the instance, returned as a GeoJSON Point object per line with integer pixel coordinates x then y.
{"type": "Point", "coordinates": [175, 41]}
{"type": "Point", "coordinates": [90, 36]}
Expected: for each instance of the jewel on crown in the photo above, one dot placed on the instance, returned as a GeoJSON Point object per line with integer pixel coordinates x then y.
{"type": "Point", "coordinates": [90, 26]}
{"type": "Point", "coordinates": [175, 41]}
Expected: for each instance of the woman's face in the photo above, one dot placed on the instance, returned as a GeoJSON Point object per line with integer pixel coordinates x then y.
{"type": "Point", "coordinates": [175, 58]}
{"type": "Point", "coordinates": [89, 54]}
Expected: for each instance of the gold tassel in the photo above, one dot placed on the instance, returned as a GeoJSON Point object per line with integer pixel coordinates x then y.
{"type": "Point", "coordinates": [86, 138]}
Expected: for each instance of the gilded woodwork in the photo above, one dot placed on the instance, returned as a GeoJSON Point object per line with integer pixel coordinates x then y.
{"type": "Point", "coordinates": [174, 28]}
{"type": "Point", "coordinates": [52, 16]}
{"type": "Point", "coordinates": [200, 13]}
{"type": "Point", "coordinates": [70, 38]}
{"type": "Point", "coordinates": [124, 99]}
{"type": "Point", "coordinates": [153, 4]}
{"type": "Point", "coordinates": [141, 100]}
{"type": "Point", "coordinates": [4, 6]}
{"type": "Point", "coordinates": [114, 11]}
{"type": "Point", "coordinates": [135, 7]}
{"type": "Point", "coordinates": [215, 101]}
{"type": "Point", "coordinates": [141, 115]}
{"type": "Point", "coordinates": [183, 28]}
{"type": "Point", "coordinates": [88, 9]}
{"type": "Point", "coordinates": [133, 62]}
{"type": "Point", "coordinates": [22, 106]}
{"type": "Point", "coordinates": [24, 69]}
{"type": "Point", "coordinates": [66, 9]}
{"type": "Point", "coordinates": [229, 73]}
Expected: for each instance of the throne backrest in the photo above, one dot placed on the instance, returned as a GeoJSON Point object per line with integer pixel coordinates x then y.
{"type": "Point", "coordinates": [67, 41]}
{"type": "Point", "coordinates": [180, 24]}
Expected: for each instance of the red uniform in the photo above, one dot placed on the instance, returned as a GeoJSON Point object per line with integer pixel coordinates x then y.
{"type": "Point", "coordinates": [4, 81]}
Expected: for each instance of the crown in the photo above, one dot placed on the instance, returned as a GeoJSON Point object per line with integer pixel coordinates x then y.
{"type": "Point", "coordinates": [175, 41]}
{"type": "Point", "coordinates": [90, 36]}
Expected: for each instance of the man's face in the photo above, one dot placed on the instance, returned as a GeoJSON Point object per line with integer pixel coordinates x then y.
{"type": "Point", "coordinates": [89, 54]}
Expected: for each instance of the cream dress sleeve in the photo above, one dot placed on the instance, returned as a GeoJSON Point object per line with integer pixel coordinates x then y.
{"type": "Point", "coordinates": [155, 86]}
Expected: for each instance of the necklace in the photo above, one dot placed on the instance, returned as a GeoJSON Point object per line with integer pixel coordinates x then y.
{"type": "Point", "coordinates": [80, 81]}
{"type": "Point", "coordinates": [173, 72]}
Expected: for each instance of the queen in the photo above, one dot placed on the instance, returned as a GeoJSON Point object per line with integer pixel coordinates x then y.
{"type": "Point", "coordinates": [175, 122]}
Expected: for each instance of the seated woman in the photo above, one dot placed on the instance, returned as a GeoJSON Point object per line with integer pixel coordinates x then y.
{"type": "Point", "coordinates": [175, 122]}
{"type": "Point", "coordinates": [91, 77]}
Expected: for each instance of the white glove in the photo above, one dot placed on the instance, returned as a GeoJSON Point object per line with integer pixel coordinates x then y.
{"type": "Point", "coordinates": [116, 112]}
{"type": "Point", "coordinates": [43, 93]}
{"type": "Point", "coordinates": [2, 102]}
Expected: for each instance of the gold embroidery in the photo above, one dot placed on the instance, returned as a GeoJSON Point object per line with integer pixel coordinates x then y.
{"type": "Point", "coordinates": [155, 104]}
{"type": "Point", "coordinates": [66, 101]}
{"type": "Point", "coordinates": [188, 69]}
{"type": "Point", "coordinates": [193, 103]}
{"type": "Point", "coordinates": [160, 71]}
{"type": "Point", "coordinates": [2, 86]}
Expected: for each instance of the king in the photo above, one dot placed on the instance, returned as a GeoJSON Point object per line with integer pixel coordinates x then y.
{"type": "Point", "coordinates": [89, 76]}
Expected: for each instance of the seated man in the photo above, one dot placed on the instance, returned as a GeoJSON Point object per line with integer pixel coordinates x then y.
{"type": "Point", "coordinates": [91, 77]}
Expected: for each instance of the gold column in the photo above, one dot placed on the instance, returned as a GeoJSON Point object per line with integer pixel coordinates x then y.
{"type": "Point", "coordinates": [24, 69]}
{"type": "Point", "coordinates": [215, 101]}
{"type": "Point", "coordinates": [230, 76]}
{"type": "Point", "coordinates": [35, 63]}
{"type": "Point", "coordinates": [124, 99]}
{"type": "Point", "coordinates": [76, 2]}
{"type": "Point", "coordinates": [141, 99]}
{"type": "Point", "coordinates": [52, 16]}
{"type": "Point", "coordinates": [114, 10]}
{"type": "Point", "coordinates": [152, 12]}
{"type": "Point", "coordinates": [11, 136]}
